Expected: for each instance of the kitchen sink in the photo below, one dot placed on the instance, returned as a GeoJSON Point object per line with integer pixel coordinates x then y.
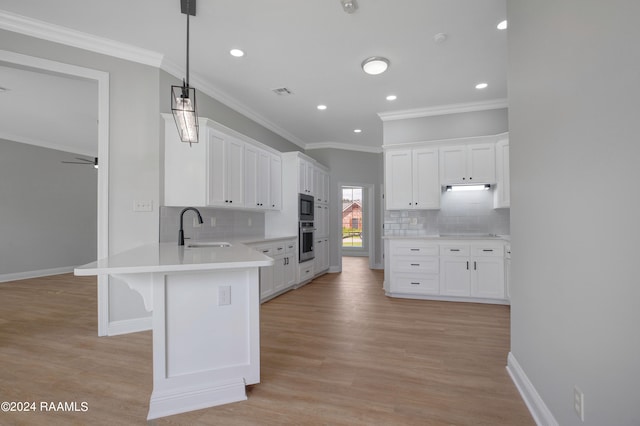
{"type": "Point", "coordinates": [209, 244]}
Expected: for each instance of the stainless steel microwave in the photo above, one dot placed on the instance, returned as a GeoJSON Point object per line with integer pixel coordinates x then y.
{"type": "Point", "coordinates": [305, 207]}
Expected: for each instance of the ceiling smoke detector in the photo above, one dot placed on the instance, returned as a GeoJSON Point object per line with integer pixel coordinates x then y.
{"type": "Point", "coordinates": [349, 6]}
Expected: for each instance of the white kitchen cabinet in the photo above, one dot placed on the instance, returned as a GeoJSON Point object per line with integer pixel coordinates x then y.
{"type": "Point", "coordinates": [305, 177]}
{"type": "Point", "coordinates": [226, 170]}
{"type": "Point", "coordinates": [281, 276]}
{"type": "Point", "coordinates": [321, 260]}
{"type": "Point", "coordinates": [414, 267]}
{"type": "Point", "coordinates": [475, 270]}
{"type": "Point", "coordinates": [467, 164]}
{"type": "Point", "coordinates": [321, 185]}
{"type": "Point", "coordinates": [321, 220]}
{"type": "Point", "coordinates": [507, 271]}
{"type": "Point", "coordinates": [275, 182]}
{"type": "Point", "coordinates": [412, 179]}
{"type": "Point", "coordinates": [256, 177]}
{"type": "Point", "coordinates": [502, 193]}
{"type": "Point", "coordinates": [221, 170]}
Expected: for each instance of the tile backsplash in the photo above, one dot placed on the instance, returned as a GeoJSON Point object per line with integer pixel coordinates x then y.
{"type": "Point", "coordinates": [460, 213]}
{"type": "Point", "coordinates": [229, 224]}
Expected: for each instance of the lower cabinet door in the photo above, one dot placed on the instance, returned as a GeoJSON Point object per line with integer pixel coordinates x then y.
{"type": "Point", "coordinates": [278, 273]}
{"type": "Point", "coordinates": [266, 281]}
{"type": "Point", "coordinates": [488, 278]}
{"type": "Point", "coordinates": [415, 283]}
{"type": "Point", "coordinates": [455, 276]}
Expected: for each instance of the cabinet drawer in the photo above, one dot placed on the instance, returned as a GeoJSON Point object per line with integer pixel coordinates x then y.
{"type": "Point", "coordinates": [454, 250]}
{"type": "Point", "coordinates": [306, 271]}
{"type": "Point", "coordinates": [415, 250]}
{"type": "Point", "coordinates": [266, 250]}
{"type": "Point", "coordinates": [415, 283]}
{"type": "Point", "coordinates": [415, 264]}
{"type": "Point", "coordinates": [290, 247]}
{"type": "Point", "coordinates": [487, 251]}
{"type": "Point", "coordinates": [278, 248]}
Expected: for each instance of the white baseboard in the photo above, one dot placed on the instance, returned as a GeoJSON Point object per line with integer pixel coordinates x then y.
{"type": "Point", "coordinates": [35, 274]}
{"type": "Point", "coordinates": [378, 266]}
{"type": "Point", "coordinates": [335, 269]}
{"type": "Point", "coordinates": [538, 409]}
{"type": "Point", "coordinates": [129, 326]}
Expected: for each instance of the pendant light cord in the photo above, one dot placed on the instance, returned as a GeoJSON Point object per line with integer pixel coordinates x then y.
{"type": "Point", "coordinates": [188, 10]}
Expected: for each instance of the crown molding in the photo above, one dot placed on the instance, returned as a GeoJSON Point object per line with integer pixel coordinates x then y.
{"type": "Point", "coordinates": [344, 146]}
{"type": "Point", "coordinates": [58, 34]}
{"type": "Point", "coordinates": [444, 110]}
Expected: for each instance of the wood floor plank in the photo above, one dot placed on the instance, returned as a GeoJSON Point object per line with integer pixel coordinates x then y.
{"type": "Point", "coordinates": [334, 352]}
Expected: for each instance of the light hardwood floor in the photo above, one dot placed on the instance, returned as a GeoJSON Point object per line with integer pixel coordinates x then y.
{"type": "Point", "coordinates": [335, 352]}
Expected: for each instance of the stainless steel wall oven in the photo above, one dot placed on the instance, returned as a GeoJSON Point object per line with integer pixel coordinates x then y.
{"type": "Point", "coordinates": [306, 230]}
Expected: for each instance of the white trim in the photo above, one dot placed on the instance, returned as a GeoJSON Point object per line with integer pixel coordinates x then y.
{"type": "Point", "coordinates": [103, 154]}
{"type": "Point", "coordinates": [344, 146]}
{"type": "Point", "coordinates": [129, 326]}
{"type": "Point", "coordinates": [444, 110]}
{"type": "Point", "coordinates": [58, 34]}
{"type": "Point", "coordinates": [467, 140]}
{"type": "Point", "coordinates": [35, 274]}
{"type": "Point", "coordinates": [418, 296]}
{"type": "Point", "coordinates": [538, 409]}
{"type": "Point", "coordinates": [378, 266]}
{"type": "Point", "coordinates": [335, 269]}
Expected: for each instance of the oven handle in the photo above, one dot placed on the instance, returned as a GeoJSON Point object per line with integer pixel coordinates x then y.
{"type": "Point", "coordinates": [307, 229]}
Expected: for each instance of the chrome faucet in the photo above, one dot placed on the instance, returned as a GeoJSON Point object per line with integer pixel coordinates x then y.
{"type": "Point", "coordinates": [181, 232]}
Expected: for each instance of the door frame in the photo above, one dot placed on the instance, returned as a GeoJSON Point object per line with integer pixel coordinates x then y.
{"type": "Point", "coordinates": [102, 78]}
{"type": "Point", "coordinates": [370, 215]}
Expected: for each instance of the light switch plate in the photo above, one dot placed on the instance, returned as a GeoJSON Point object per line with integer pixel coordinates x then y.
{"type": "Point", "coordinates": [224, 295]}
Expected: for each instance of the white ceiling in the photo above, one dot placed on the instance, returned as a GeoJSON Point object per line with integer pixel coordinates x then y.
{"type": "Point", "coordinates": [314, 49]}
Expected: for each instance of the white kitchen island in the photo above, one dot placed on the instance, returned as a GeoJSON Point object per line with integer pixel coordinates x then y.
{"type": "Point", "coordinates": [206, 319]}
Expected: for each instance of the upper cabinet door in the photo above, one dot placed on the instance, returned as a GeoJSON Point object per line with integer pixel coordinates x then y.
{"type": "Point", "coordinates": [275, 182]}
{"type": "Point", "coordinates": [235, 172]}
{"type": "Point", "coordinates": [398, 180]}
{"type": "Point", "coordinates": [453, 165]}
{"type": "Point", "coordinates": [426, 182]}
{"type": "Point", "coordinates": [502, 197]}
{"type": "Point", "coordinates": [216, 169]}
{"type": "Point", "coordinates": [481, 163]}
{"type": "Point", "coordinates": [251, 179]}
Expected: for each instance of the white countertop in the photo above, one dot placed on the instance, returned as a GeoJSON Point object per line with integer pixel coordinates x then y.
{"type": "Point", "coordinates": [449, 237]}
{"type": "Point", "coordinates": [169, 257]}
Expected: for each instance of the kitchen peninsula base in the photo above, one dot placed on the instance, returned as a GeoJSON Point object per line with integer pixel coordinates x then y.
{"type": "Point", "coordinates": [206, 325]}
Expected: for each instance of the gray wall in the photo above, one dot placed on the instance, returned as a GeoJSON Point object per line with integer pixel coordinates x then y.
{"type": "Point", "coordinates": [133, 150]}
{"type": "Point", "coordinates": [575, 207]}
{"type": "Point", "coordinates": [48, 209]}
{"type": "Point", "coordinates": [351, 167]}
{"type": "Point", "coordinates": [449, 126]}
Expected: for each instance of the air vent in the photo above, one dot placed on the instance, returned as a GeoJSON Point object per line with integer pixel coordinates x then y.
{"type": "Point", "coordinates": [282, 91]}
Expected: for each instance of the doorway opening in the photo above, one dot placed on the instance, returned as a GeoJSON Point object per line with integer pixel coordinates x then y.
{"type": "Point", "coordinates": [354, 224]}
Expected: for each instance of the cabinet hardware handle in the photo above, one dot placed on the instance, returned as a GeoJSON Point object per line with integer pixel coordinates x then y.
{"type": "Point", "coordinates": [265, 251]}
{"type": "Point", "coordinates": [415, 249]}
{"type": "Point", "coordinates": [467, 265]}
{"type": "Point", "coordinates": [415, 264]}
{"type": "Point", "coordinates": [487, 249]}
{"type": "Point", "coordinates": [409, 203]}
{"type": "Point", "coordinates": [279, 248]}
{"type": "Point", "coordinates": [415, 283]}
{"type": "Point", "coordinates": [464, 178]}
{"type": "Point", "coordinates": [470, 178]}
{"type": "Point", "coordinates": [455, 249]}
{"type": "Point", "coordinates": [475, 265]}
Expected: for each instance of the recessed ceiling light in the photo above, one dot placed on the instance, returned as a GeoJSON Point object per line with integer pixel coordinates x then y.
{"type": "Point", "coordinates": [502, 25]}
{"type": "Point", "coordinates": [481, 86]}
{"type": "Point", "coordinates": [440, 38]}
{"type": "Point", "coordinates": [237, 53]}
{"type": "Point", "coordinates": [375, 65]}
{"type": "Point", "coordinates": [357, 130]}
{"type": "Point", "coordinates": [392, 97]}
{"type": "Point", "coordinates": [321, 107]}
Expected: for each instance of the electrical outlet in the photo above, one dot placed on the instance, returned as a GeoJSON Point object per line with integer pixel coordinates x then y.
{"type": "Point", "coordinates": [578, 402]}
{"type": "Point", "coordinates": [224, 295]}
{"type": "Point", "coordinates": [143, 206]}
{"type": "Point", "coordinates": [196, 224]}
{"type": "Point", "coordinates": [213, 222]}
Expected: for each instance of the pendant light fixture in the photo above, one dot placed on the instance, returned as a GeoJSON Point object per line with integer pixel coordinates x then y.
{"type": "Point", "coordinates": [183, 98]}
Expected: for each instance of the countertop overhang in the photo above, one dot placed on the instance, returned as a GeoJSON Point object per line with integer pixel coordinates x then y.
{"type": "Point", "coordinates": [169, 257]}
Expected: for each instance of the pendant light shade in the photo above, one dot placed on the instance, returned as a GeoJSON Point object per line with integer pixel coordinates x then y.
{"type": "Point", "coordinates": [183, 98]}
{"type": "Point", "coordinates": [183, 107]}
